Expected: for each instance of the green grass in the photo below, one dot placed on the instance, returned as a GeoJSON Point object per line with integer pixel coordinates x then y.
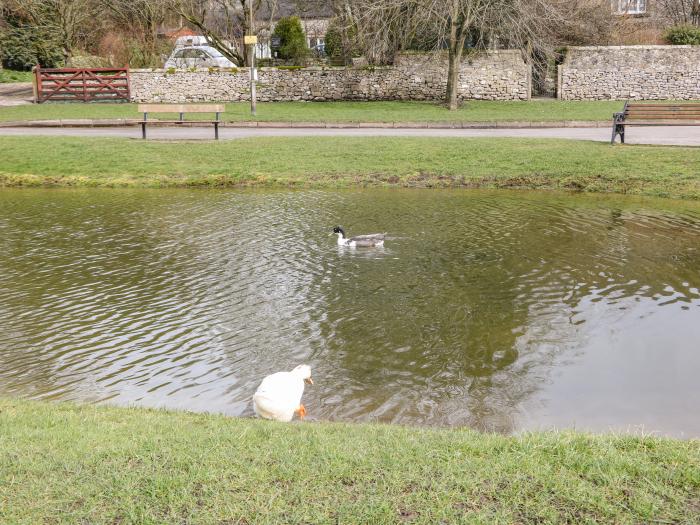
{"type": "Point", "coordinates": [334, 162]}
{"type": "Point", "coordinates": [62, 463]}
{"type": "Point", "coordinates": [473, 111]}
{"type": "Point", "coordinates": [8, 75]}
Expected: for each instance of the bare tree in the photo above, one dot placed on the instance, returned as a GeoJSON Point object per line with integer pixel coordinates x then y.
{"type": "Point", "coordinates": [680, 12]}
{"type": "Point", "coordinates": [590, 22]}
{"type": "Point", "coordinates": [225, 22]}
{"type": "Point", "coordinates": [387, 26]}
{"type": "Point", "coordinates": [140, 19]}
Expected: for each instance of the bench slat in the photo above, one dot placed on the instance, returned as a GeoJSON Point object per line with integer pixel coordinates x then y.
{"type": "Point", "coordinates": [182, 108]}
{"type": "Point", "coordinates": [660, 122]}
{"type": "Point", "coordinates": [663, 110]}
{"type": "Point", "coordinates": [670, 105]}
{"type": "Point", "coordinates": [671, 116]}
{"type": "Point", "coordinates": [668, 109]}
{"type": "Point", "coordinates": [672, 111]}
{"type": "Point", "coordinates": [678, 117]}
{"type": "Point", "coordinates": [158, 121]}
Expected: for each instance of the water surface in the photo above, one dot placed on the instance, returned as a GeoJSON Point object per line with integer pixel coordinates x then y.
{"type": "Point", "coordinates": [501, 311]}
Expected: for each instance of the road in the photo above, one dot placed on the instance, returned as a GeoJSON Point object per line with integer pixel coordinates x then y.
{"type": "Point", "coordinates": [681, 135]}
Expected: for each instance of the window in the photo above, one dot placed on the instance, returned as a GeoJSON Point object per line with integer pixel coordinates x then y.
{"type": "Point", "coordinates": [630, 7]}
{"type": "Point", "coordinates": [316, 41]}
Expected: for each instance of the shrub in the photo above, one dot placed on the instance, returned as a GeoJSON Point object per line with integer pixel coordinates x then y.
{"type": "Point", "coordinates": [86, 60]}
{"type": "Point", "coordinates": [24, 46]}
{"type": "Point", "coordinates": [683, 35]}
{"type": "Point", "coordinates": [292, 39]}
{"type": "Point", "coordinates": [335, 47]}
{"type": "Point", "coordinates": [334, 41]}
{"type": "Point", "coordinates": [121, 49]}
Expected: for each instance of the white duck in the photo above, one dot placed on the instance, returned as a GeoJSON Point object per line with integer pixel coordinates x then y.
{"type": "Point", "coordinates": [279, 395]}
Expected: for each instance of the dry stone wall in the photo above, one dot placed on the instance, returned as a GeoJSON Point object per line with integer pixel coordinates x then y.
{"type": "Point", "coordinates": [496, 75]}
{"type": "Point", "coordinates": [630, 72]}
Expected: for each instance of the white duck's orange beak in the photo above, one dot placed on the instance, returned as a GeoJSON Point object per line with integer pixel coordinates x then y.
{"type": "Point", "coordinates": [309, 381]}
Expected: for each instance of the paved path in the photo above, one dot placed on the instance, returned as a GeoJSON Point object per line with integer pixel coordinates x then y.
{"type": "Point", "coordinates": [652, 135]}
{"type": "Point", "coordinates": [16, 93]}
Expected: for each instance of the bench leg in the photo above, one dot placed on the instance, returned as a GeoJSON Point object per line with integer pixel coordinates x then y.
{"type": "Point", "coordinates": [618, 129]}
{"type": "Point", "coordinates": [143, 130]}
{"type": "Point", "coordinates": [216, 131]}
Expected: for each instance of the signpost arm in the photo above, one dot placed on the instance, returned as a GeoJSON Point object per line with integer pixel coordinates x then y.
{"type": "Point", "coordinates": [251, 32]}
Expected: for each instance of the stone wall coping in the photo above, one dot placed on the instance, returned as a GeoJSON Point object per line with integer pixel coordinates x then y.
{"type": "Point", "coordinates": [427, 56]}
{"type": "Point", "coordinates": [233, 71]}
{"type": "Point", "coordinates": [605, 48]}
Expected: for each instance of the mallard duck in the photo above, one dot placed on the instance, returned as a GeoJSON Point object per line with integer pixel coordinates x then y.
{"type": "Point", "coordinates": [374, 239]}
{"type": "Point", "coordinates": [279, 395]}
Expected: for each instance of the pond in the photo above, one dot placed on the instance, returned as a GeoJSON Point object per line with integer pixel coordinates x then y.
{"type": "Point", "coordinates": [502, 311]}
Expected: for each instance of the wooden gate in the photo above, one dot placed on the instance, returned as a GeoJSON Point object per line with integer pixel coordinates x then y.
{"type": "Point", "coordinates": [82, 84]}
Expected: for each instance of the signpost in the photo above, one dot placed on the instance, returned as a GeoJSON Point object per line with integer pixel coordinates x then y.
{"type": "Point", "coordinates": [251, 40]}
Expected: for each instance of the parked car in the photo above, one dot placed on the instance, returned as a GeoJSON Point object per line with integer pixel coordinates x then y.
{"type": "Point", "coordinates": [191, 40]}
{"type": "Point", "coordinates": [197, 56]}
{"type": "Point", "coordinates": [319, 50]}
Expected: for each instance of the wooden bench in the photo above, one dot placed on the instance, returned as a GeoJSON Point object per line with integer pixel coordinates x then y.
{"type": "Point", "coordinates": [656, 114]}
{"type": "Point", "coordinates": [181, 109]}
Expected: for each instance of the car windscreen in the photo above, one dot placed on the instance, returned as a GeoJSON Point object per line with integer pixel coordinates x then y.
{"type": "Point", "coordinates": [214, 52]}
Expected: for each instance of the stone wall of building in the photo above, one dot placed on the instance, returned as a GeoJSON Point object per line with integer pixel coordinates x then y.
{"type": "Point", "coordinates": [630, 72]}
{"type": "Point", "coordinates": [496, 75]}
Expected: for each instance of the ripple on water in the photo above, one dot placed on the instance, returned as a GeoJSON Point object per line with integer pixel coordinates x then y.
{"type": "Point", "coordinates": [481, 309]}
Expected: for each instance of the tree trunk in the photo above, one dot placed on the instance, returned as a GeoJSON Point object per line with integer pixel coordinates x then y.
{"type": "Point", "coordinates": [458, 35]}
{"type": "Point", "coordinates": [453, 79]}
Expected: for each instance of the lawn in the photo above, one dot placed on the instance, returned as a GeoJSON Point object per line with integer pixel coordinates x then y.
{"type": "Point", "coordinates": [62, 463]}
{"type": "Point", "coordinates": [8, 75]}
{"type": "Point", "coordinates": [334, 162]}
{"type": "Point", "coordinates": [471, 111]}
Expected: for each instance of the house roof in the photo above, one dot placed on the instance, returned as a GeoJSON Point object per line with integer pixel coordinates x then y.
{"type": "Point", "coordinates": [183, 31]}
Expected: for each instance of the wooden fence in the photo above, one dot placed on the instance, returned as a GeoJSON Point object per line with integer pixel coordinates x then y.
{"type": "Point", "coordinates": [82, 84]}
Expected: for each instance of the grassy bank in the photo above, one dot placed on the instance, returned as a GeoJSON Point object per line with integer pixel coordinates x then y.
{"type": "Point", "coordinates": [347, 161]}
{"type": "Point", "coordinates": [8, 75]}
{"type": "Point", "coordinates": [472, 111]}
{"type": "Point", "coordinates": [70, 464]}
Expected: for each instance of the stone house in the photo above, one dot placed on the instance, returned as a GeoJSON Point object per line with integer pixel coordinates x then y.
{"type": "Point", "coordinates": [315, 17]}
{"type": "Point", "coordinates": [646, 20]}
